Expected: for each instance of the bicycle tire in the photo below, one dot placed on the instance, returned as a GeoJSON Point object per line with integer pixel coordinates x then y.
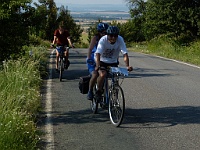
{"type": "Point", "coordinates": [61, 69]}
{"type": "Point", "coordinates": [116, 105]}
{"type": "Point", "coordinates": [94, 102]}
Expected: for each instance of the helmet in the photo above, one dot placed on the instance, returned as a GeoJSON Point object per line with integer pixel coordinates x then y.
{"type": "Point", "coordinates": [112, 30]}
{"type": "Point", "coordinates": [102, 26]}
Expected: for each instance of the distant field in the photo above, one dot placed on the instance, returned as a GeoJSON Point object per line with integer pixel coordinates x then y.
{"type": "Point", "coordinates": [103, 12]}
{"type": "Point", "coordinates": [86, 19]}
{"type": "Point", "coordinates": [85, 24]}
{"type": "Point", "coordinates": [84, 37]}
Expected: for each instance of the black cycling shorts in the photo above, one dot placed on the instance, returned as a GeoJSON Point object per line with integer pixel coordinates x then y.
{"type": "Point", "coordinates": [105, 65]}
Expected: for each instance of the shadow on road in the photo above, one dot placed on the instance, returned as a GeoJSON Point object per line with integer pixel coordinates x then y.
{"type": "Point", "coordinates": [162, 117]}
{"type": "Point", "coordinates": [146, 72]}
{"type": "Point", "coordinates": [70, 75]}
{"type": "Point", "coordinates": [134, 118]}
{"type": "Point", "coordinates": [79, 117]}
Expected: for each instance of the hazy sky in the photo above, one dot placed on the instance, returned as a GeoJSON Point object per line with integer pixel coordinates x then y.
{"type": "Point", "coordinates": [64, 2]}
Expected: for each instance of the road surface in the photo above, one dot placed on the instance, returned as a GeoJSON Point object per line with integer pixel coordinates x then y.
{"type": "Point", "coordinates": [162, 108]}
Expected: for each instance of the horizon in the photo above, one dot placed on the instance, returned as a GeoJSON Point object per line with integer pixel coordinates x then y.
{"type": "Point", "coordinates": [93, 7]}
{"type": "Point", "coordinates": [102, 3]}
{"type": "Point", "coordinates": [97, 7]}
{"type": "Point", "coordinates": [60, 2]}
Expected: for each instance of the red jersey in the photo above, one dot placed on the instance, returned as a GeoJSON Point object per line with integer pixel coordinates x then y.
{"type": "Point", "coordinates": [62, 38]}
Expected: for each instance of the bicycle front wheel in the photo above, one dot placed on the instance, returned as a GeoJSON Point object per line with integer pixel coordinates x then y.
{"type": "Point", "coordinates": [61, 69]}
{"type": "Point", "coordinates": [116, 105]}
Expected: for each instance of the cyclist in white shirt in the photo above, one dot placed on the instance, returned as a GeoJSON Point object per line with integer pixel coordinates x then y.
{"type": "Point", "coordinates": [107, 54]}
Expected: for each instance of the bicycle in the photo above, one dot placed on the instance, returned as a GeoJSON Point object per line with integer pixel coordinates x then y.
{"type": "Point", "coordinates": [61, 50]}
{"type": "Point", "coordinates": [113, 96]}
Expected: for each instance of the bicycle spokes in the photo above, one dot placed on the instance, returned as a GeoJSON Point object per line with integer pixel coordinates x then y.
{"type": "Point", "coordinates": [94, 102]}
{"type": "Point", "coordinates": [116, 105]}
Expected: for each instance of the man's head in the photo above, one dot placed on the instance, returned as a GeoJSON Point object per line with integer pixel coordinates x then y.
{"type": "Point", "coordinates": [102, 27]}
{"type": "Point", "coordinates": [112, 33]}
{"type": "Point", "coordinates": [61, 27]}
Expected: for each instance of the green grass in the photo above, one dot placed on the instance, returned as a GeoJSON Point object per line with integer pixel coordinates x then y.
{"type": "Point", "coordinates": [20, 82]}
{"type": "Point", "coordinates": [84, 37]}
{"type": "Point", "coordinates": [84, 42]}
{"type": "Point", "coordinates": [169, 49]}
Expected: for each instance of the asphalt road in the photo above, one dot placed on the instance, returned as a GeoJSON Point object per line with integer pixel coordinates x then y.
{"type": "Point", "coordinates": [162, 108]}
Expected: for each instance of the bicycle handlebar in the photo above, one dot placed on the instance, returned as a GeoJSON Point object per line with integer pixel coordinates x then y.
{"type": "Point", "coordinates": [119, 71]}
{"type": "Point", "coordinates": [68, 47]}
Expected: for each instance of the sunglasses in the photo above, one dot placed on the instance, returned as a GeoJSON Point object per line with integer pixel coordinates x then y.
{"type": "Point", "coordinates": [113, 35]}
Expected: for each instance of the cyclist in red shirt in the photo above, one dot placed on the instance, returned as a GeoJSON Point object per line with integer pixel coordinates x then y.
{"type": "Point", "coordinates": [62, 38]}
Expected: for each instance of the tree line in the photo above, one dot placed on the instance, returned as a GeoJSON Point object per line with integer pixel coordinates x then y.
{"type": "Point", "coordinates": [21, 19]}
{"type": "Point", "coordinates": [175, 19]}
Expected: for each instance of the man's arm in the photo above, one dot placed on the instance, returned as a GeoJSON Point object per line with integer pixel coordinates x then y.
{"type": "Point", "coordinates": [126, 60]}
{"type": "Point", "coordinates": [97, 61]}
{"type": "Point", "coordinates": [70, 43]}
{"type": "Point", "coordinates": [54, 39]}
{"type": "Point", "coordinates": [92, 44]}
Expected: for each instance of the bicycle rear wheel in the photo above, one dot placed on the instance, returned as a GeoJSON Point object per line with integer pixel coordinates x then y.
{"type": "Point", "coordinates": [94, 102]}
{"type": "Point", "coordinates": [61, 69]}
{"type": "Point", "coordinates": [116, 105]}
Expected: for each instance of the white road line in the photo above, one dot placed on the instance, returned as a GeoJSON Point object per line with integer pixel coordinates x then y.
{"type": "Point", "coordinates": [48, 108]}
{"type": "Point", "coordinates": [180, 62]}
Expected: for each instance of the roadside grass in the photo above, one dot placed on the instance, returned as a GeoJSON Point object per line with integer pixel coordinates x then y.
{"type": "Point", "coordinates": [167, 48]}
{"type": "Point", "coordinates": [20, 99]}
{"type": "Point", "coordinates": [84, 37]}
{"type": "Point", "coordinates": [84, 42]}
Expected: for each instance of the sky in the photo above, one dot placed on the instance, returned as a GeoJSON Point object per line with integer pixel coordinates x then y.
{"type": "Point", "coordinates": [65, 2]}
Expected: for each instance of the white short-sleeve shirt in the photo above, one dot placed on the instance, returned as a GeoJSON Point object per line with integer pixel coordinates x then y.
{"type": "Point", "coordinates": [109, 53]}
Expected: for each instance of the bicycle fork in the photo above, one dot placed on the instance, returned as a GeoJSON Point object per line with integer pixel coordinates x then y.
{"type": "Point", "coordinates": [106, 91]}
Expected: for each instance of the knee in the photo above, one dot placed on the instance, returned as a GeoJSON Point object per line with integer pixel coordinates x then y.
{"type": "Point", "coordinates": [95, 75]}
{"type": "Point", "coordinates": [57, 54]}
{"type": "Point", "coordinates": [102, 74]}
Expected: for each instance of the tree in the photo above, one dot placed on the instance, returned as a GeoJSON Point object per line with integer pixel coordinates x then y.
{"type": "Point", "coordinates": [133, 29]}
{"type": "Point", "coordinates": [14, 29]}
{"type": "Point", "coordinates": [47, 18]}
{"type": "Point", "coordinates": [137, 8]}
{"type": "Point", "coordinates": [92, 30]}
{"type": "Point", "coordinates": [44, 19]}
{"type": "Point", "coordinates": [175, 17]}
{"type": "Point", "coordinates": [74, 29]}
{"type": "Point", "coordinates": [51, 19]}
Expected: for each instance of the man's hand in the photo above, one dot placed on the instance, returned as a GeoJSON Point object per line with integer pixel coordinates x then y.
{"type": "Point", "coordinates": [90, 61]}
{"type": "Point", "coordinates": [72, 46]}
{"type": "Point", "coordinates": [52, 45]}
{"type": "Point", "coordinates": [130, 68]}
{"type": "Point", "coordinates": [96, 68]}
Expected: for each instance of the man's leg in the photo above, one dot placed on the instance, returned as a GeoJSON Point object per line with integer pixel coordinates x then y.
{"type": "Point", "coordinates": [100, 82]}
{"type": "Point", "coordinates": [67, 63]}
{"type": "Point", "coordinates": [66, 54]}
{"type": "Point", "coordinates": [57, 59]}
{"type": "Point", "coordinates": [91, 84]}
